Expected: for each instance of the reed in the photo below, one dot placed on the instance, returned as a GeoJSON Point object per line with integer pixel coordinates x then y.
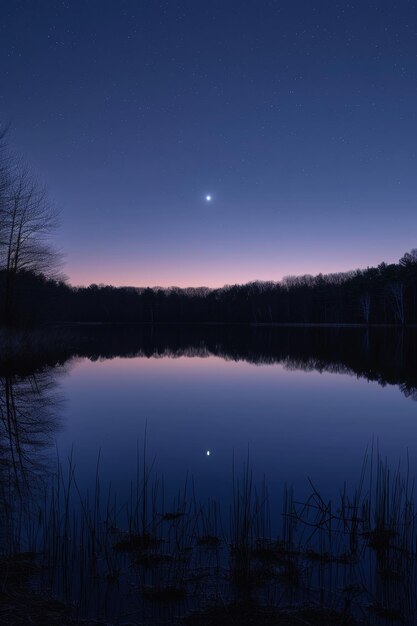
{"type": "Point", "coordinates": [353, 557]}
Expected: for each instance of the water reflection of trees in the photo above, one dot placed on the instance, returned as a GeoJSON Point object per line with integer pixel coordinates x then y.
{"type": "Point", "coordinates": [29, 418]}
{"type": "Point", "coordinates": [386, 355]}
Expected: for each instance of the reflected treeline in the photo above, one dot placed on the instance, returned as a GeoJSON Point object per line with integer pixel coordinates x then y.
{"type": "Point", "coordinates": [29, 418]}
{"type": "Point", "coordinates": [386, 355]}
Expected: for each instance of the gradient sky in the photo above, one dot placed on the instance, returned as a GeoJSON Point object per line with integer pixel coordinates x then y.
{"type": "Point", "coordinates": [299, 117]}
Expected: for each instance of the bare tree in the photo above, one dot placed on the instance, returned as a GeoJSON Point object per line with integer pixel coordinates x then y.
{"type": "Point", "coordinates": [4, 185]}
{"type": "Point", "coordinates": [409, 258]}
{"type": "Point", "coordinates": [27, 221]}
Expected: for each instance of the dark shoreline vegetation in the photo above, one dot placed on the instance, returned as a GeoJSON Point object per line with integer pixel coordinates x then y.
{"type": "Point", "coordinates": [386, 294]}
{"type": "Point", "coordinates": [351, 561]}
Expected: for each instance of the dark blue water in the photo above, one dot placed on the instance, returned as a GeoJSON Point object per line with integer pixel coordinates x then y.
{"type": "Point", "coordinates": [294, 424]}
{"type": "Point", "coordinates": [299, 403]}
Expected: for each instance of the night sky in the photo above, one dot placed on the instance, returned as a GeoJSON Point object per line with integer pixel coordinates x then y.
{"type": "Point", "coordinates": [298, 117]}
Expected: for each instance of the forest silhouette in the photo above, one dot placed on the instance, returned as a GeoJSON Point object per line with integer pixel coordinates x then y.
{"type": "Point", "coordinates": [386, 294]}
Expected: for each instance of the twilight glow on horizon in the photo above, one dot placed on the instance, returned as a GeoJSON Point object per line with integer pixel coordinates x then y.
{"type": "Point", "coordinates": [217, 142]}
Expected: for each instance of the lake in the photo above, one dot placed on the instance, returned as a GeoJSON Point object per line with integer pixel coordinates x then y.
{"type": "Point", "coordinates": [301, 407]}
{"type": "Point", "coordinates": [295, 419]}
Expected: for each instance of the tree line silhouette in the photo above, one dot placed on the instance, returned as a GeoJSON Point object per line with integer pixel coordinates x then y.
{"type": "Point", "coordinates": [34, 291]}
{"type": "Point", "coordinates": [386, 294]}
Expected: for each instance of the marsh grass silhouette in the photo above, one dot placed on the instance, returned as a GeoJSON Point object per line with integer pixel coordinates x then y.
{"type": "Point", "coordinates": [350, 560]}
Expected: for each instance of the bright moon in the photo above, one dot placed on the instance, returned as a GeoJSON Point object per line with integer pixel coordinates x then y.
{"type": "Point", "coordinates": [208, 198]}
{"type": "Point", "coordinates": [208, 452]}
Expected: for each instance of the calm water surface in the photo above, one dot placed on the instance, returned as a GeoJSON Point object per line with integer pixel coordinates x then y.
{"type": "Point", "coordinates": [293, 423]}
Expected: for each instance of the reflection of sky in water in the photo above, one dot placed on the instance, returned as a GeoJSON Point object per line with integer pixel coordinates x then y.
{"type": "Point", "coordinates": [296, 424]}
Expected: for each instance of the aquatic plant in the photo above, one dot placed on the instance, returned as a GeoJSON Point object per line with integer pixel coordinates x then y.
{"type": "Point", "coordinates": [353, 558]}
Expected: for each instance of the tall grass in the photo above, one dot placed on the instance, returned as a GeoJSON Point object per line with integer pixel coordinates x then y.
{"type": "Point", "coordinates": [146, 558]}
